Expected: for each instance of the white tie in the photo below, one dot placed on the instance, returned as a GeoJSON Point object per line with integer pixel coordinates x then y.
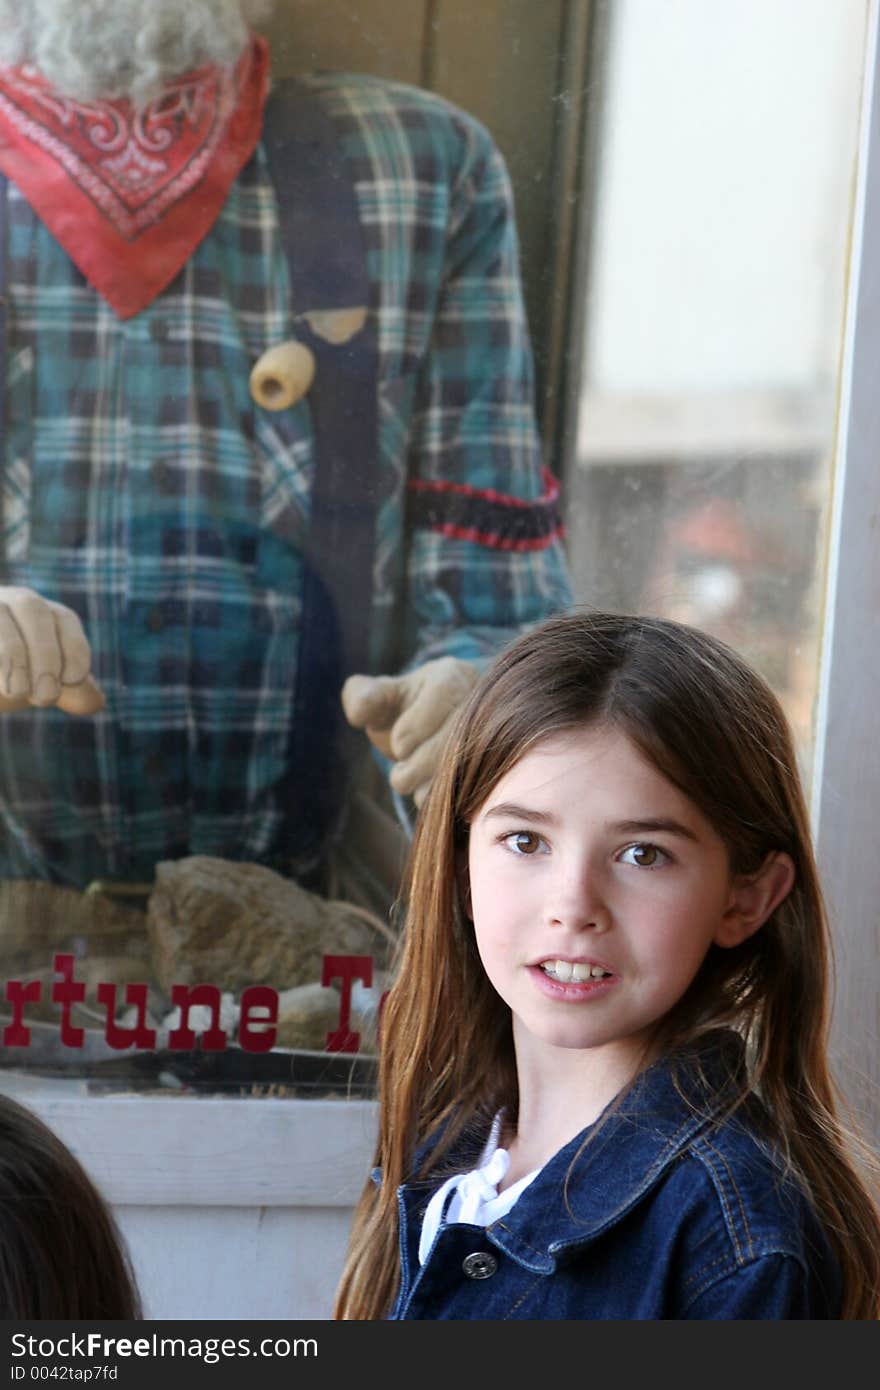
{"type": "Point", "coordinates": [472, 1190]}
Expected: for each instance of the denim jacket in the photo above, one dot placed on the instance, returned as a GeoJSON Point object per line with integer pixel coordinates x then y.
{"type": "Point", "coordinates": [669, 1212]}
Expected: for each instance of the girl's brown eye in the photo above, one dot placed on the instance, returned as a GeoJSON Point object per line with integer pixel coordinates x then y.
{"type": "Point", "coordinates": [524, 842]}
{"type": "Point", "coordinates": [644, 856]}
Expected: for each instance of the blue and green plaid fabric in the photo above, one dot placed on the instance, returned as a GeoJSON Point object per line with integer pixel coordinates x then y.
{"type": "Point", "coordinates": [144, 489]}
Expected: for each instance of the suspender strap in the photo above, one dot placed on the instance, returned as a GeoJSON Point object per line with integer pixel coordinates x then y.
{"type": "Point", "coordinates": [323, 244]}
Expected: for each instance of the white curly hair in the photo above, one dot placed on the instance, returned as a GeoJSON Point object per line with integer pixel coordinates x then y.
{"type": "Point", "coordinates": [91, 49]}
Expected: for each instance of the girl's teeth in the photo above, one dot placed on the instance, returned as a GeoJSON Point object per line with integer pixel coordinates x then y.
{"type": "Point", "coordinates": [565, 971]}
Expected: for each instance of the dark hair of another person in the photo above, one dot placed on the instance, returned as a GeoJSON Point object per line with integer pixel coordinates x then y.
{"type": "Point", "coordinates": [61, 1254]}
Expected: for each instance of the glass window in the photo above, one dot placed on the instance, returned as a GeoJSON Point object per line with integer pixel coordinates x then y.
{"type": "Point", "coordinates": [269, 422]}
{"type": "Point", "coordinates": [712, 244]}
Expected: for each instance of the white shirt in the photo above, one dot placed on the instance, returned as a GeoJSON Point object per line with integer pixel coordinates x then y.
{"type": "Point", "coordinates": [473, 1198]}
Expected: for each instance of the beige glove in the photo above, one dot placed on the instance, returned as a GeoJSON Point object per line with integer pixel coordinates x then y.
{"type": "Point", "coordinates": [408, 717]}
{"type": "Point", "coordinates": [45, 658]}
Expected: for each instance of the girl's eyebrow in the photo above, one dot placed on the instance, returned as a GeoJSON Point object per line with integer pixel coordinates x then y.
{"type": "Point", "coordinates": [642, 827]}
{"type": "Point", "coordinates": [510, 808]}
{"type": "Point", "coordinates": [652, 824]}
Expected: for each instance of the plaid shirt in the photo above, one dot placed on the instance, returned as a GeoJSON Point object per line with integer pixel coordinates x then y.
{"type": "Point", "coordinates": [144, 489]}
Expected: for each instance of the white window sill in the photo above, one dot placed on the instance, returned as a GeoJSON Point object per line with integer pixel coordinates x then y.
{"type": "Point", "coordinates": [216, 1152]}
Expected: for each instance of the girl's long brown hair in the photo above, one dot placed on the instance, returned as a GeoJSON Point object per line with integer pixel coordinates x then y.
{"type": "Point", "coordinates": [711, 725]}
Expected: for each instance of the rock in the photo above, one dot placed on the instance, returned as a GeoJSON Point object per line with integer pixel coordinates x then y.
{"type": "Point", "coordinates": [215, 921]}
{"type": "Point", "coordinates": [306, 1014]}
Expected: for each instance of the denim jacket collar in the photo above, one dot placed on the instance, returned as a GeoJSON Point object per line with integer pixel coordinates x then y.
{"type": "Point", "coordinates": [626, 1153]}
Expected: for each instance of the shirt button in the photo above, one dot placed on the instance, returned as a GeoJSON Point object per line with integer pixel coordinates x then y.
{"type": "Point", "coordinates": [155, 620]}
{"type": "Point", "coordinates": [159, 330]}
{"type": "Point", "coordinates": [479, 1265]}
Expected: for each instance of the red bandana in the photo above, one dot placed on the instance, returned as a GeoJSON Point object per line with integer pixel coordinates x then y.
{"type": "Point", "coordinates": [130, 194]}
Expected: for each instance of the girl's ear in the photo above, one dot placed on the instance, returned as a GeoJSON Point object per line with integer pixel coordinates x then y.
{"type": "Point", "coordinates": [754, 897]}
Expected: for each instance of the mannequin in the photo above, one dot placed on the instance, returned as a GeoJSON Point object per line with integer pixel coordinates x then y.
{"type": "Point", "coordinates": [247, 487]}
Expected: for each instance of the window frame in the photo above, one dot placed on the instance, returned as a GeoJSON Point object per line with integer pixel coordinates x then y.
{"type": "Point", "coordinates": [846, 767]}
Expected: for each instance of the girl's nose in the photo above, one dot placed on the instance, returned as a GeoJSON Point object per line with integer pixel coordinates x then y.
{"type": "Point", "coordinates": [577, 902]}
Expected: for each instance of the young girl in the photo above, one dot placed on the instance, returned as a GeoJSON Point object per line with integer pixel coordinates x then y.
{"type": "Point", "coordinates": [604, 1085]}
{"type": "Point", "coordinates": [61, 1255]}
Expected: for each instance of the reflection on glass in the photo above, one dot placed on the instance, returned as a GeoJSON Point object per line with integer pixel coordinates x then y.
{"type": "Point", "coordinates": [706, 406]}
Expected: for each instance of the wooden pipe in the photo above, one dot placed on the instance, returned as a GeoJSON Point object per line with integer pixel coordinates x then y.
{"type": "Point", "coordinates": [283, 375]}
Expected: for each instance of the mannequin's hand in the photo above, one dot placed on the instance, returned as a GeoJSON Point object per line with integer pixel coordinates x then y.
{"type": "Point", "coordinates": [45, 657]}
{"type": "Point", "coordinates": [408, 717]}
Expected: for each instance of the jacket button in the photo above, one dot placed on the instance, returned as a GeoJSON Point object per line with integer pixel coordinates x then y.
{"type": "Point", "coordinates": [479, 1265]}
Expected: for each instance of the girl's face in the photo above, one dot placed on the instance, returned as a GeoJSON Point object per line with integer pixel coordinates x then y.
{"type": "Point", "coordinates": [596, 890]}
